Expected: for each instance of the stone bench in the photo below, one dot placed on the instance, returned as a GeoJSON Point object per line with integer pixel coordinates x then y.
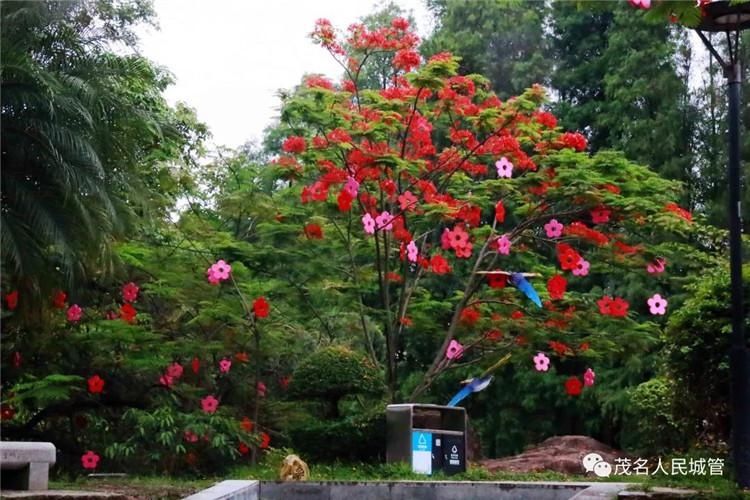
{"type": "Point", "coordinates": [25, 465]}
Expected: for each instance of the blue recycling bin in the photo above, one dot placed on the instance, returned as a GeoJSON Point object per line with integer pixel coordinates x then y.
{"type": "Point", "coordinates": [430, 438]}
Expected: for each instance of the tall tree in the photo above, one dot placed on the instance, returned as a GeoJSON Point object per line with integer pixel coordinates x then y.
{"type": "Point", "coordinates": [501, 39]}
{"type": "Point", "coordinates": [88, 140]}
{"type": "Point", "coordinates": [623, 80]}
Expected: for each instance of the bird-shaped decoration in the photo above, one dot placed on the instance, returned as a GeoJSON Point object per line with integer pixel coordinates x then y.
{"type": "Point", "coordinates": [477, 384]}
{"type": "Point", "coordinates": [519, 281]}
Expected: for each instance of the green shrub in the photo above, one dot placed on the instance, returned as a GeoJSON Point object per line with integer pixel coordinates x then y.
{"type": "Point", "coordinates": [359, 437]}
{"type": "Point", "coordinates": [334, 372]}
{"type": "Point", "coordinates": [698, 357]}
{"type": "Point", "coordinates": [651, 427]}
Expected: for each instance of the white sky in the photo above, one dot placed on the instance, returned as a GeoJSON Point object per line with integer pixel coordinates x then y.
{"type": "Point", "coordinates": [230, 57]}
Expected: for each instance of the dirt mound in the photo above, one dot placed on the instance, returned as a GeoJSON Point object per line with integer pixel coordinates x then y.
{"type": "Point", "coordinates": [559, 454]}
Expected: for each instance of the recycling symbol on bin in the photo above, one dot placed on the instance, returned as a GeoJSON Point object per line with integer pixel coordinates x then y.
{"type": "Point", "coordinates": [422, 441]}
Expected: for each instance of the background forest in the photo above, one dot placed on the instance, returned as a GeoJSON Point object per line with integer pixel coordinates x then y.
{"type": "Point", "coordinates": [124, 332]}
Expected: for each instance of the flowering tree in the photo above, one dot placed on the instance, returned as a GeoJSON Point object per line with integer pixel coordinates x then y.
{"type": "Point", "coordinates": [437, 191]}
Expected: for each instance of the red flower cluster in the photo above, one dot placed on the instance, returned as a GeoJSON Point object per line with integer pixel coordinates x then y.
{"type": "Point", "coordinates": [582, 231]}
{"type": "Point", "coordinates": [617, 307]}
{"type": "Point", "coordinates": [573, 140]}
{"type": "Point", "coordinates": [59, 300]}
{"type": "Point", "coordinates": [439, 265]}
{"type": "Point", "coordinates": [567, 257]}
{"type": "Point", "coordinates": [681, 212]}
{"type": "Point", "coordinates": [128, 313]}
{"type": "Point", "coordinates": [500, 212]}
{"type": "Point", "coordinates": [96, 384]}
{"type": "Point", "coordinates": [573, 386]}
{"type": "Point", "coordinates": [313, 232]}
{"type": "Point", "coordinates": [497, 280]}
{"type": "Point", "coordinates": [457, 239]}
{"type": "Point", "coordinates": [560, 348]}
{"type": "Point", "coordinates": [261, 307]}
{"type": "Point", "coordinates": [470, 316]}
{"type": "Point", "coordinates": [294, 144]}
{"type": "Point", "coordinates": [556, 287]}
{"type": "Point", "coordinates": [11, 299]}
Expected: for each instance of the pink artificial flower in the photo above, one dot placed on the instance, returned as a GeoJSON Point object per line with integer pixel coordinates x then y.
{"type": "Point", "coordinates": [455, 350]}
{"type": "Point", "coordinates": [412, 251]}
{"type": "Point", "coordinates": [554, 229]}
{"type": "Point", "coordinates": [90, 460]}
{"type": "Point", "coordinates": [130, 292]}
{"type": "Point", "coordinates": [504, 168]}
{"type": "Point", "coordinates": [541, 362]}
{"type": "Point", "coordinates": [351, 186]}
{"type": "Point", "coordinates": [503, 245]}
{"type": "Point", "coordinates": [657, 305]}
{"type": "Point", "coordinates": [407, 200]}
{"type": "Point", "coordinates": [588, 377]}
{"type": "Point", "coordinates": [212, 277]}
{"type": "Point", "coordinates": [220, 270]}
{"type": "Point", "coordinates": [175, 370]}
{"type": "Point", "coordinates": [209, 404]}
{"type": "Point", "coordinates": [190, 437]}
{"type": "Point", "coordinates": [640, 4]}
{"type": "Point", "coordinates": [74, 313]}
{"type": "Point", "coordinates": [368, 223]}
{"type": "Point", "coordinates": [260, 388]}
{"type": "Point", "coordinates": [384, 221]}
{"type": "Point", "coordinates": [657, 266]}
{"type": "Point", "coordinates": [224, 365]}
{"type": "Point", "coordinates": [166, 380]}
{"type": "Point", "coordinates": [582, 268]}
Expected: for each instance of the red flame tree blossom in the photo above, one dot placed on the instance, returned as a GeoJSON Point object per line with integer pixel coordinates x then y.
{"type": "Point", "coordinates": [437, 181]}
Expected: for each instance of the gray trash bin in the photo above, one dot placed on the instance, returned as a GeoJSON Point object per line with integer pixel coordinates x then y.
{"type": "Point", "coordinates": [429, 437]}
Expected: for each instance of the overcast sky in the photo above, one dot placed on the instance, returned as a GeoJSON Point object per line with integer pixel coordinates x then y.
{"type": "Point", "coordinates": [230, 57]}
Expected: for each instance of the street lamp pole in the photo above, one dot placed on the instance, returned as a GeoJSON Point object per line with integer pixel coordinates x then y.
{"type": "Point", "coordinates": [729, 18]}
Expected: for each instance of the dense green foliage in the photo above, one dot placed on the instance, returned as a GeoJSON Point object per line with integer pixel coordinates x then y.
{"type": "Point", "coordinates": [88, 141]}
{"type": "Point", "coordinates": [321, 322]}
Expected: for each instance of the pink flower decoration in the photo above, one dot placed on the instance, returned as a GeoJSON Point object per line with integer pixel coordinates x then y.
{"type": "Point", "coordinates": [412, 251]}
{"type": "Point", "coordinates": [351, 186]}
{"type": "Point", "coordinates": [130, 292]}
{"type": "Point", "coordinates": [260, 388]}
{"type": "Point", "coordinates": [75, 313]}
{"type": "Point", "coordinates": [657, 266]}
{"type": "Point", "coordinates": [90, 460]}
{"type": "Point", "coordinates": [657, 305]}
{"type": "Point", "coordinates": [455, 350]}
{"type": "Point", "coordinates": [221, 270]}
{"type": "Point", "coordinates": [224, 365]}
{"type": "Point", "coordinates": [209, 404]}
{"type": "Point", "coordinates": [368, 223]}
{"type": "Point", "coordinates": [640, 4]}
{"type": "Point", "coordinates": [504, 168]}
{"type": "Point", "coordinates": [191, 437]}
{"type": "Point", "coordinates": [384, 221]}
{"type": "Point", "coordinates": [445, 239]}
{"type": "Point", "coordinates": [503, 245]}
{"type": "Point", "coordinates": [582, 268]}
{"type": "Point", "coordinates": [541, 362]}
{"type": "Point", "coordinates": [407, 200]}
{"type": "Point", "coordinates": [554, 229]}
{"type": "Point", "coordinates": [213, 279]}
{"type": "Point", "coordinates": [175, 370]}
{"type": "Point", "coordinates": [588, 377]}
{"type": "Point", "coordinates": [166, 380]}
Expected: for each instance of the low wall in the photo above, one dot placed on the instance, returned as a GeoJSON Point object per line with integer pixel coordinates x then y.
{"type": "Point", "coordinates": [418, 490]}
{"type": "Point", "coordinates": [408, 490]}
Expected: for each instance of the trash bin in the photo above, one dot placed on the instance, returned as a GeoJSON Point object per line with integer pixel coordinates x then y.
{"type": "Point", "coordinates": [429, 437]}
